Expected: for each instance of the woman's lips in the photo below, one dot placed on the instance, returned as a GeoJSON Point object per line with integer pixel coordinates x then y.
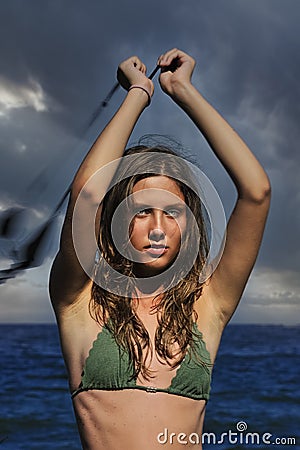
{"type": "Point", "coordinates": [156, 249]}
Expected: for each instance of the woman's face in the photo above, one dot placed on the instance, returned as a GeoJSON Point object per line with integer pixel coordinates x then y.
{"type": "Point", "coordinates": [158, 224]}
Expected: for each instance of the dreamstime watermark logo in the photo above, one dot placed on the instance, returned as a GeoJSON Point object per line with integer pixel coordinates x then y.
{"type": "Point", "coordinates": [83, 227]}
{"type": "Point", "coordinates": [238, 436]}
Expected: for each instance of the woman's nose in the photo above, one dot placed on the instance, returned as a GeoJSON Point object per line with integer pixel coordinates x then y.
{"type": "Point", "coordinates": [156, 235]}
{"type": "Point", "coordinates": [156, 229]}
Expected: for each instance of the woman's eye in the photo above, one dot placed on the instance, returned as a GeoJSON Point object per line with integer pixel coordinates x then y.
{"type": "Point", "coordinates": [172, 212]}
{"type": "Point", "coordinates": [143, 212]}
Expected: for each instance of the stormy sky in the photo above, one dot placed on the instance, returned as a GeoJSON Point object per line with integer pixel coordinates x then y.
{"type": "Point", "coordinates": [58, 62]}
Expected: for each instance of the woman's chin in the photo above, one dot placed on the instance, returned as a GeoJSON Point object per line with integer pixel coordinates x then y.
{"type": "Point", "coordinates": [151, 268]}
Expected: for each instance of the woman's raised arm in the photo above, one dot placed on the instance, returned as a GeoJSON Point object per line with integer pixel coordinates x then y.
{"type": "Point", "coordinates": [68, 278]}
{"type": "Point", "coordinates": [247, 221]}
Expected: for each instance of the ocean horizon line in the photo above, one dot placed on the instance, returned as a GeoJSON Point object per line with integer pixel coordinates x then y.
{"type": "Point", "coordinates": [267, 324]}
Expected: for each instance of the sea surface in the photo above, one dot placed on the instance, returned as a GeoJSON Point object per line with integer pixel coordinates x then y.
{"type": "Point", "coordinates": [255, 392]}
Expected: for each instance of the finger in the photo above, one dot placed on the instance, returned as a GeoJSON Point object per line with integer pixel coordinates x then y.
{"type": "Point", "coordinates": [138, 63]}
{"type": "Point", "coordinates": [159, 59]}
{"type": "Point", "coordinates": [167, 58]}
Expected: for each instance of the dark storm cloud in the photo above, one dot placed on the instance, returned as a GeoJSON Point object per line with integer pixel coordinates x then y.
{"type": "Point", "coordinates": [59, 59]}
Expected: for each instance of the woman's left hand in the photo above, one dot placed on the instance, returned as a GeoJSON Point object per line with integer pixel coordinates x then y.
{"type": "Point", "coordinates": [176, 71]}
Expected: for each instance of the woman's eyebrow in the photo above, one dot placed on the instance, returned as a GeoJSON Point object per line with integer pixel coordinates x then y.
{"type": "Point", "coordinates": [143, 205]}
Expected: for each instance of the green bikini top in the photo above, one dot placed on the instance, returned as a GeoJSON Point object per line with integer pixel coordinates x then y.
{"type": "Point", "coordinates": [108, 368]}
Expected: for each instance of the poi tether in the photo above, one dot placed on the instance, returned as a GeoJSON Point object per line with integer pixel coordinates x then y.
{"type": "Point", "coordinates": [28, 252]}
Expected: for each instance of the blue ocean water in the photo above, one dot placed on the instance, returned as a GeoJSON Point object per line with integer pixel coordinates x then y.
{"type": "Point", "coordinates": [255, 385]}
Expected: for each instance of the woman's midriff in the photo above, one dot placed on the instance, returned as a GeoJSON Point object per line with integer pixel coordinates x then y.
{"type": "Point", "coordinates": [135, 420]}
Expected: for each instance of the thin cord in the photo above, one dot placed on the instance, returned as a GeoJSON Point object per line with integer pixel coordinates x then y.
{"type": "Point", "coordinates": [105, 102]}
{"type": "Point", "coordinates": [27, 252]}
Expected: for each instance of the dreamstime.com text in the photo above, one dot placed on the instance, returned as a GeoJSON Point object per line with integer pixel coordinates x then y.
{"type": "Point", "coordinates": [238, 436]}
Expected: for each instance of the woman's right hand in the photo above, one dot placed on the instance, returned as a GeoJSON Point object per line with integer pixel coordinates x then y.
{"type": "Point", "coordinates": [133, 72]}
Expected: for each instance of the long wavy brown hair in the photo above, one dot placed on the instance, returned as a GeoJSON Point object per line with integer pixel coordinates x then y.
{"type": "Point", "coordinates": [175, 306]}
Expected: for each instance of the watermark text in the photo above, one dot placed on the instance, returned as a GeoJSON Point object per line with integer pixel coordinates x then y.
{"type": "Point", "coordinates": [238, 436]}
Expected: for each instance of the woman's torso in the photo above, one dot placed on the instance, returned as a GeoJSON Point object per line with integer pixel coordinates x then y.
{"type": "Point", "coordinates": [135, 417]}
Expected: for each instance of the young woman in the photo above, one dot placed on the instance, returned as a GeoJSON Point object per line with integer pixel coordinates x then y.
{"type": "Point", "coordinates": [139, 341]}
